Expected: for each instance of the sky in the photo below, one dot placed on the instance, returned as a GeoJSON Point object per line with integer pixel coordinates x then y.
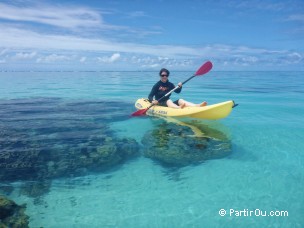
{"type": "Point", "coordinates": [142, 35]}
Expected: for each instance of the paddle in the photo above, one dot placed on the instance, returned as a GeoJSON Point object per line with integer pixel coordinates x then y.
{"type": "Point", "coordinates": [205, 68]}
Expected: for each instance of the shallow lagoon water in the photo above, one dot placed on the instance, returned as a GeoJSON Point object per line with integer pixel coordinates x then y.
{"type": "Point", "coordinates": [263, 172]}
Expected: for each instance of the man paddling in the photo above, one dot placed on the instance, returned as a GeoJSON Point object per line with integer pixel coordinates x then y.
{"type": "Point", "coordinates": [162, 87]}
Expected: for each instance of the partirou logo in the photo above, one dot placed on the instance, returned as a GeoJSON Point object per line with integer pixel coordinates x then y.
{"type": "Point", "coordinates": [248, 213]}
{"type": "Point", "coordinates": [222, 212]}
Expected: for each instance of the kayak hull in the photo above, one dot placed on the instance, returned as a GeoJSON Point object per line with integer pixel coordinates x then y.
{"type": "Point", "coordinates": [210, 112]}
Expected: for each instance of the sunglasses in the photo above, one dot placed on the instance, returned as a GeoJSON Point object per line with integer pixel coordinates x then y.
{"type": "Point", "coordinates": [164, 75]}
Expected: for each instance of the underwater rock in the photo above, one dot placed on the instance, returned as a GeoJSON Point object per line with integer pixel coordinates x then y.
{"type": "Point", "coordinates": [175, 145]}
{"type": "Point", "coordinates": [36, 164]}
{"type": "Point", "coordinates": [108, 153]}
{"type": "Point", "coordinates": [44, 138]}
{"type": "Point", "coordinates": [114, 152]}
{"type": "Point", "coordinates": [17, 157]}
{"type": "Point", "coordinates": [12, 215]}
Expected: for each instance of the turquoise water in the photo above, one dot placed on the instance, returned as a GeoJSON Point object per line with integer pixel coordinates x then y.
{"type": "Point", "coordinates": [60, 112]}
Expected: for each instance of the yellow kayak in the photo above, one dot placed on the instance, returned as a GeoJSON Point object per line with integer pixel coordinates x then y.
{"type": "Point", "coordinates": [210, 112]}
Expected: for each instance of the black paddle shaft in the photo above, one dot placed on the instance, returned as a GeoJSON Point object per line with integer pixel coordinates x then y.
{"type": "Point", "coordinates": [188, 79]}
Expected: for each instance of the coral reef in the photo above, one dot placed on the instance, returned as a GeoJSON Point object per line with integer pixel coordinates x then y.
{"type": "Point", "coordinates": [175, 145]}
{"type": "Point", "coordinates": [31, 161]}
{"type": "Point", "coordinates": [12, 215]}
{"type": "Point", "coordinates": [45, 138]}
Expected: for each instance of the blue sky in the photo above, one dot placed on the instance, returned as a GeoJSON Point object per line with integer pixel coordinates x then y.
{"type": "Point", "coordinates": [148, 35]}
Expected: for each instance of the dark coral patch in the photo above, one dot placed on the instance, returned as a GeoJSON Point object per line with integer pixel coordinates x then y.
{"type": "Point", "coordinates": [175, 145]}
{"type": "Point", "coordinates": [11, 214]}
{"type": "Point", "coordinates": [44, 138]}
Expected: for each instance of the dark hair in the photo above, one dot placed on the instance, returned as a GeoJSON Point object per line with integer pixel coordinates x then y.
{"type": "Point", "coordinates": [164, 70]}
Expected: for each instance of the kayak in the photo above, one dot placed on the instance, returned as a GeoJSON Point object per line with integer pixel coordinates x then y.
{"type": "Point", "coordinates": [210, 112]}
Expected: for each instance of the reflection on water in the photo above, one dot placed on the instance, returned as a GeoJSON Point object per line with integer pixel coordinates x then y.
{"type": "Point", "coordinates": [177, 143]}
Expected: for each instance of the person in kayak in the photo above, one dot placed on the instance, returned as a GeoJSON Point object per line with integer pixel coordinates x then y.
{"type": "Point", "coordinates": [162, 87]}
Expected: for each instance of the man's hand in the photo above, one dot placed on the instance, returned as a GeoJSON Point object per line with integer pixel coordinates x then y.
{"type": "Point", "coordinates": [155, 102]}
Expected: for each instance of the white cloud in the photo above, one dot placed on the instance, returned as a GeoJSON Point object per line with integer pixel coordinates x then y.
{"type": "Point", "coordinates": [5, 50]}
{"type": "Point", "coordinates": [157, 61]}
{"type": "Point", "coordinates": [16, 38]}
{"type": "Point", "coordinates": [246, 60]}
{"type": "Point", "coordinates": [137, 14]}
{"type": "Point", "coordinates": [53, 58]}
{"type": "Point", "coordinates": [111, 59]}
{"type": "Point", "coordinates": [114, 57]}
{"type": "Point", "coordinates": [294, 58]}
{"type": "Point", "coordinates": [67, 17]}
{"type": "Point", "coordinates": [155, 65]}
{"type": "Point", "coordinates": [23, 42]}
{"type": "Point", "coordinates": [143, 55]}
{"type": "Point", "coordinates": [74, 18]}
{"type": "Point", "coordinates": [23, 55]}
{"type": "Point", "coordinates": [259, 5]}
{"type": "Point", "coordinates": [83, 59]}
{"type": "Point", "coordinates": [296, 17]}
